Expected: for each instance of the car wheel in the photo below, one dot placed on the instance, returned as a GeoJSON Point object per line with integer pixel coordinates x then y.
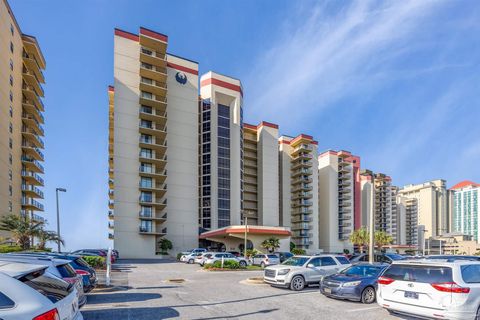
{"type": "Point", "coordinates": [368, 295]}
{"type": "Point", "coordinates": [262, 265]}
{"type": "Point", "coordinates": [243, 264]}
{"type": "Point", "coordinates": [297, 283]}
{"type": "Point", "coordinates": [190, 261]}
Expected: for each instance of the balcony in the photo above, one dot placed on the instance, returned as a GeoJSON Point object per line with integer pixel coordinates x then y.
{"type": "Point", "coordinates": [159, 163]}
{"type": "Point", "coordinates": [152, 216]}
{"type": "Point", "coordinates": [159, 204]}
{"type": "Point", "coordinates": [32, 178]}
{"type": "Point", "coordinates": [303, 148]}
{"type": "Point", "coordinates": [32, 123]}
{"type": "Point", "coordinates": [303, 242]}
{"type": "Point", "coordinates": [344, 169]}
{"type": "Point", "coordinates": [34, 67]}
{"type": "Point", "coordinates": [152, 43]}
{"type": "Point", "coordinates": [32, 138]}
{"type": "Point", "coordinates": [110, 225]}
{"type": "Point", "coordinates": [31, 79]}
{"type": "Point", "coordinates": [31, 204]}
{"type": "Point", "coordinates": [110, 236]}
{"type": "Point", "coordinates": [30, 108]}
{"type": "Point", "coordinates": [302, 211]}
{"type": "Point", "coordinates": [343, 176]}
{"type": "Point", "coordinates": [344, 183]}
{"type": "Point", "coordinates": [150, 231]}
{"type": "Point", "coordinates": [302, 187]}
{"type": "Point", "coordinates": [160, 147]}
{"type": "Point", "coordinates": [344, 217]}
{"type": "Point", "coordinates": [302, 226]}
{"type": "Point", "coordinates": [111, 215]}
{"type": "Point", "coordinates": [302, 156]}
{"type": "Point", "coordinates": [301, 172]}
{"type": "Point", "coordinates": [302, 163]}
{"type": "Point", "coordinates": [250, 146]}
{"type": "Point", "coordinates": [302, 195]}
{"type": "Point", "coordinates": [302, 180]}
{"type": "Point", "coordinates": [32, 191]}
{"type": "Point", "coordinates": [344, 190]}
{"type": "Point", "coordinates": [153, 58]}
{"type": "Point", "coordinates": [32, 152]}
{"type": "Point", "coordinates": [148, 70]}
{"type": "Point", "coordinates": [297, 204]}
{"type": "Point", "coordinates": [151, 114]}
{"type": "Point", "coordinates": [111, 204]}
{"type": "Point", "coordinates": [32, 164]}
{"type": "Point", "coordinates": [110, 183]}
{"type": "Point", "coordinates": [302, 218]}
{"type": "Point", "coordinates": [160, 103]}
{"type": "Point", "coordinates": [111, 194]}
{"type": "Point", "coordinates": [158, 131]}
{"type": "Point", "coordinates": [29, 92]}
{"type": "Point", "coordinates": [250, 155]}
{"type": "Point", "coordinates": [158, 88]}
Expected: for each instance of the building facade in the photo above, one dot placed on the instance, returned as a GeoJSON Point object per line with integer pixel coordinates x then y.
{"type": "Point", "coordinates": [466, 208]}
{"type": "Point", "coordinates": [153, 155]}
{"type": "Point", "coordinates": [339, 199]}
{"type": "Point", "coordinates": [298, 190]}
{"type": "Point", "coordinates": [433, 205]}
{"type": "Point", "coordinates": [21, 120]}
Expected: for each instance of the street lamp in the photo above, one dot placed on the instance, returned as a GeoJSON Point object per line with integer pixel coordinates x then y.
{"type": "Point", "coordinates": [58, 216]}
{"type": "Point", "coordinates": [245, 214]}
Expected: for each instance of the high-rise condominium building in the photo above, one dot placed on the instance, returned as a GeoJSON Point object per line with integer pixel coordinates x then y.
{"type": "Point", "coordinates": [153, 146]}
{"type": "Point", "coordinates": [339, 200]}
{"type": "Point", "coordinates": [221, 151]}
{"type": "Point", "coordinates": [466, 208]}
{"type": "Point", "coordinates": [298, 170]}
{"type": "Point", "coordinates": [407, 221]}
{"type": "Point", "coordinates": [260, 163]}
{"type": "Point", "coordinates": [433, 204]}
{"type": "Point", "coordinates": [21, 119]}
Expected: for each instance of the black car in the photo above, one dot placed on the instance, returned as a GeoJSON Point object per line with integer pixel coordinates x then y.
{"type": "Point", "coordinates": [80, 266]}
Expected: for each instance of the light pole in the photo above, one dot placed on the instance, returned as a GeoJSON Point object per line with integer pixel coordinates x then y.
{"type": "Point", "coordinates": [58, 216]}
{"type": "Point", "coordinates": [245, 221]}
{"type": "Point", "coordinates": [371, 242]}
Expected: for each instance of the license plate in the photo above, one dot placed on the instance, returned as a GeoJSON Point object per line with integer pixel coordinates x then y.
{"type": "Point", "coordinates": [327, 290]}
{"type": "Point", "coordinates": [411, 295]}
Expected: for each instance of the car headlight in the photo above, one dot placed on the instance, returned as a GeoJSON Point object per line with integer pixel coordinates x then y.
{"type": "Point", "coordinates": [352, 283]}
{"type": "Point", "coordinates": [283, 272]}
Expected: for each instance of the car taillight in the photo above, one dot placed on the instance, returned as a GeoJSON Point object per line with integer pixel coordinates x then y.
{"type": "Point", "coordinates": [70, 280]}
{"type": "Point", "coordinates": [450, 287]}
{"type": "Point", "coordinates": [82, 272]}
{"type": "Point", "coordinates": [50, 315]}
{"type": "Point", "coordinates": [385, 280]}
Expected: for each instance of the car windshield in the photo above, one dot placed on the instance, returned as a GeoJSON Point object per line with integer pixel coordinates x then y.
{"type": "Point", "coordinates": [295, 261]}
{"type": "Point", "coordinates": [272, 256]}
{"type": "Point", "coordinates": [362, 271]}
{"type": "Point", "coordinates": [395, 256]}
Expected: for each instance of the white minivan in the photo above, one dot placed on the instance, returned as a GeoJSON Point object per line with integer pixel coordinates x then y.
{"type": "Point", "coordinates": [447, 289]}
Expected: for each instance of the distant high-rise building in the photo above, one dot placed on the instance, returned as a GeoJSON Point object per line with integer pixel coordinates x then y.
{"type": "Point", "coordinates": [21, 120]}
{"type": "Point", "coordinates": [433, 203]}
{"type": "Point", "coordinates": [298, 169]}
{"type": "Point", "coordinates": [339, 190]}
{"type": "Point", "coordinates": [466, 208]}
{"type": "Point", "coordinates": [407, 221]}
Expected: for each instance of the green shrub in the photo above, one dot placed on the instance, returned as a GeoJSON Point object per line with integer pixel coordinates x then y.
{"type": "Point", "coordinates": [179, 255]}
{"type": "Point", "coordinates": [227, 264]}
{"type": "Point", "coordinates": [297, 251]}
{"type": "Point", "coordinates": [8, 248]}
{"type": "Point", "coordinates": [95, 262]}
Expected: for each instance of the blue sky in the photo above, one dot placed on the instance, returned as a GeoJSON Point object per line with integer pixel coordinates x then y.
{"type": "Point", "coordinates": [395, 82]}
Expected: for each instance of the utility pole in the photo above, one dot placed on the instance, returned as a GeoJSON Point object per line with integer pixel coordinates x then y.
{"type": "Point", "coordinates": [58, 217]}
{"type": "Point", "coordinates": [371, 244]}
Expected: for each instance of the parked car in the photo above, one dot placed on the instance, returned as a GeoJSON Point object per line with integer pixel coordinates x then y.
{"type": "Point", "coordinates": [57, 267]}
{"type": "Point", "coordinates": [264, 260]}
{"type": "Point", "coordinates": [190, 258]}
{"type": "Point", "coordinates": [80, 266]}
{"type": "Point", "coordinates": [300, 271]}
{"type": "Point", "coordinates": [378, 257]}
{"type": "Point", "coordinates": [226, 256]}
{"type": "Point", "coordinates": [28, 292]}
{"type": "Point", "coordinates": [284, 255]}
{"type": "Point", "coordinates": [200, 259]}
{"type": "Point", "coordinates": [235, 253]}
{"type": "Point", "coordinates": [94, 252]}
{"type": "Point", "coordinates": [358, 283]}
{"type": "Point", "coordinates": [454, 257]}
{"type": "Point", "coordinates": [431, 289]}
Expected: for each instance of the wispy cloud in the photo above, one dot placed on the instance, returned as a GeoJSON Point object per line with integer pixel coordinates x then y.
{"type": "Point", "coordinates": [326, 53]}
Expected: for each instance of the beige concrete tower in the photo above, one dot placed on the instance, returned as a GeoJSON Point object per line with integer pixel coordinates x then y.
{"type": "Point", "coordinates": [221, 151]}
{"type": "Point", "coordinates": [21, 119]}
{"type": "Point", "coordinates": [260, 155]}
{"type": "Point", "coordinates": [298, 171]}
{"type": "Point", "coordinates": [155, 146]}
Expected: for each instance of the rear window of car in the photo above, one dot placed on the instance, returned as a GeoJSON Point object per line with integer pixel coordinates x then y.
{"type": "Point", "coordinates": [471, 273]}
{"type": "Point", "coordinates": [343, 260]}
{"type": "Point", "coordinates": [6, 302]}
{"type": "Point", "coordinates": [66, 271]}
{"type": "Point", "coordinates": [50, 286]}
{"type": "Point", "coordinates": [423, 274]}
{"type": "Point", "coordinates": [81, 262]}
{"type": "Point", "coordinates": [272, 256]}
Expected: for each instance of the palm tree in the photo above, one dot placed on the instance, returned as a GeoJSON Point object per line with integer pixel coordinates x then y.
{"type": "Point", "coordinates": [382, 239]}
{"type": "Point", "coordinates": [44, 236]}
{"type": "Point", "coordinates": [360, 237]}
{"type": "Point", "coordinates": [271, 244]}
{"type": "Point", "coordinates": [21, 229]}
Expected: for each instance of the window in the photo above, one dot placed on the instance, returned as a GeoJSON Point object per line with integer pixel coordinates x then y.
{"type": "Point", "coordinates": [11, 64]}
{"type": "Point", "coordinates": [11, 96]}
{"type": "Point", "coordinates": [146, 109]}
{"type": "Point", "coordinates": [223, 111]}
{"type": "Point", "coordinates": [206, 212]}
{"type": "Point", "coordinates": [146, 167]}
{"type": "Point", "coordinates": [10, 158]}
{"type": "Point", "coordinates": [11, 112]}
{"type": "Point", "coordinates": [206, 158]}
{"type": "Point", "coordinates": [11, 46]}
{"type": "Point", "coordinates": [147, 51]}
{"type": "Point", "coordinates": [206, 116]}
{"type": "Point", "coordinates": [10, 174]}
{"type": "Point", "coordinates": [5, 302]}
{"type": "Point", "coordinates": [223, 132]}
{"type": "Point", "coordinates": [10, 206]}
{"type": "Point", "coordinates": [10, 143]}
{"type": "Point", "coordinates": [146, 66]}
{"type": "Point", "coordinates": [145, 182]}
{"type": "Point", "coordinates": [206, 148]}
{"type": "Point", "coordinates": [471, 273]}
{"type": "Point", "coordinates": [147, 95]}
{"type": "Point", "coordinates": [146, 196]}
{"type": "Point", "coordinates": [146, 153]}
{"type": "Point", "coordinates": [423, 274]}
{"type": "Point", "coordinates": [206, 137]}
{"type": "Point", "coordinates": [328, 261]}
{"type": "Point", "coordinates": [206, 180]}
{"type": "Point", "coordinates": [11, 80]}
{"type": "Point", "coordinates": [146, 138]}
{"type": "Point", "coordinates": [146, 124]}
{"type": "Point", "coordinates": [206, 126]}
{"type": "Point", "coordinates": [10, 127]}
{"type": "Point", "coordinates": [11, 29]}
{"type": "Point", "coordinates": [206, 191]}
{"type": "Point", "coordinates": [206, 169]}
{"type": "Point", "coordinates": [224, 122]}
{"type": "Point", "coordinates": [145, 211]}
{"type": "Point", "coordinates": [10, 190]}
{"type": "Point", "coordinates": [147, 80]}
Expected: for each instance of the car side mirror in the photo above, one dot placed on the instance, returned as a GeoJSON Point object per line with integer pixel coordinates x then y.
{"type": "Point", "coordinates": [310, 265]}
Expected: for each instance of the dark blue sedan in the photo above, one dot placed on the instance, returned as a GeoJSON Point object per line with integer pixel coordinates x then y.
{"type": "Point", "coordinates": [358, 283]}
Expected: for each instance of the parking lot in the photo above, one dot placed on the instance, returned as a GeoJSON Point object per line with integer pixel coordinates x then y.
{"type": "Point", "coordinates": [143, 291]}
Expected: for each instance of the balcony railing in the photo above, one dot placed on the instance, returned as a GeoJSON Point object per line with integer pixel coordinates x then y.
{"type": "Point", "coordinates": [30, 117]}
{"type": "Point", "coordinates": [35, 162]}
{"type": "Point", "coordinates": [34, 148]}
{"type": "Point", "coordinates": [27, 187]}
{"type": "Point", "coordinates": [32, 202]}
{"type": "Point", "coordinates": [26, 173]}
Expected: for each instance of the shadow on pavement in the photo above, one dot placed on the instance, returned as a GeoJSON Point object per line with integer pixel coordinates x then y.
{"type": "Point", "coordinates": [122, 297]}
{"type": "Point", "coordinates": [144, 261]}
{"type": "Point", "coordinates": [259, 313]}
{"type": "Point", "coordinates": [131, 313]}
{"type": "Point", "coordinates": [160, 287]}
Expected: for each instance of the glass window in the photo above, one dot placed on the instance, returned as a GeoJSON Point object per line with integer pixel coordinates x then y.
{"type": "Point", "coordinates": [328, 261]}
{"type": "Point", "coordinates": [343, 260]}
{"type": "Point", "coordinates": [146, 138]}
{"type": "Point", "coordinates": [146, 109]}
{"type": "Point", "coordinates": [146, 167]}
{"type": "Point", "coordinates": [147, 95]}
{"type": "Point", "coordinates": [206, 158]}
{"type": "Point", "coordinates": [423, 274]}
{"type": "Point", "coordinates": [223, 122]}
{"type": "Point", "coordinates": [206, 116]}
{"type": "Point", "coordinates": [471, 273]}
{"type": "Point", "coordinates": [146, 211]}
{"type": "Point", "coordinates": [5, 302]}
{"type": "Point", "coordinates": [206, 169]}
{"type": "Point", "coordinates": [146, 124]}
{"type": "Point", "coordinates": [206, 137]}
{"type": "Point", "coordinates": [146, 153]}
{"type": "Point", "coordinates": [146, 196]}
{"type": "Point", "coordinates": [315, 262]}
{"type": "Point", "coordinates": [146, 182]}
{"type": "Point", "coordinates": [223, 132]}
{"type": "Point", "coordinates": [223, 111]}
{"type": "Point", "coordinates": [206, 148]}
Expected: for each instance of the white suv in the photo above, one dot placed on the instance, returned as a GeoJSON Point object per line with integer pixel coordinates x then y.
{"type": "Point", "coordinates": [299, 271]}
{"type": "Point", "coordinates": [445, 288]}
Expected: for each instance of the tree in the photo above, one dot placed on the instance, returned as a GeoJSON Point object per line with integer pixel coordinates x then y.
{"type": "Point", "coordinates": [292, 246]}
{"type": "Point", "coordinates": [44, 236]}
{"type": "Point", "coordinates": [21, 228]}
{"type": "Point", "coordinates": [271, 244]}
{"type": "Point", "coordinates": [298, 251]}
{"type": "Point", "coordinates": [382, 239]}
{"type": "Point", "coordinates": [165, 244]}
{"type": "Point", "coordinates": [361, 238]}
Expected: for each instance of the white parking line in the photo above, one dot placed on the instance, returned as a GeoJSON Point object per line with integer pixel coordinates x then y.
{"type": "Point", "coordinates": [363, 309]}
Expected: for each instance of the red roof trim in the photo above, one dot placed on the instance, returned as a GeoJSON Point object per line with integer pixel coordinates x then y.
{"type": "Point", "coordinates": [153, 34]}
{"type": "Point", "coordinates": [249, 126]}
{"type": "Point", "coordinates": [315, 142]}
{"type": "Point", "coordinates": [125, 34]}
{"type": "Point", "coordinates": [464, 184]}
{"type": "Point", "coordinates": [182, 68]}
{"type": "Point", "coordinates": [302, 136]}
{"type": "Point", "coordinates": [221, 83]}
{"type": "Point", "coordinates": [268, 124]}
